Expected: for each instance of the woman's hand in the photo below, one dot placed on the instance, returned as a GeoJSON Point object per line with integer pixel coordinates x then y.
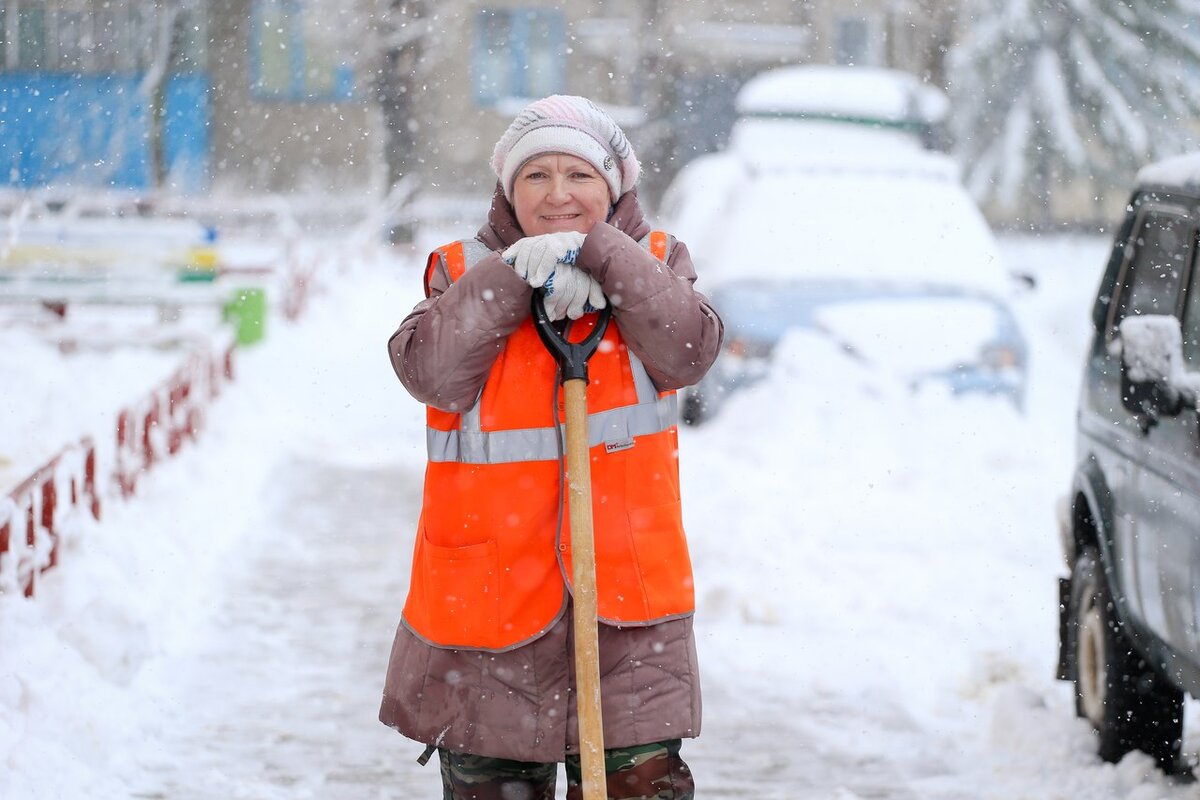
{"type": "Point", "coordinates": [535, 257]}
{"type": "Point", "coordinates": [571, 292]}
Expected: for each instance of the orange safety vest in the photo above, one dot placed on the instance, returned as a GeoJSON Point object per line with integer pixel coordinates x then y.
{"type": "Point", "coordinates": [491, 563]}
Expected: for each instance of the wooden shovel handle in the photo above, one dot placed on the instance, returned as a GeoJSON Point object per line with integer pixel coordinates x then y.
{"type": "Point", "coordinates": [572, 359]}
{"type": "Point", "coordinates": [583, 580]}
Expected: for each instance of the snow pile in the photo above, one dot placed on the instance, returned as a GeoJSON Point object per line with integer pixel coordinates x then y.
{"type": "Point", "coordinates": [60, 383]}
{"type": "Point", "coordinates": [913, 337]}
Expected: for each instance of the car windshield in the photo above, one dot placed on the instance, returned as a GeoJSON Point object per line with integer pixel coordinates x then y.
{"type": "Point", "coordinates": [764, 310]}
{"type": "Point", "coordinates": [761, 310]}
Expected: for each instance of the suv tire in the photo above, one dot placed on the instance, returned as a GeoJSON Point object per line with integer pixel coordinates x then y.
{"type": "Point", "coordinates": [1130, 706]}
{"type": "Point", "coordinates": [692, 410]}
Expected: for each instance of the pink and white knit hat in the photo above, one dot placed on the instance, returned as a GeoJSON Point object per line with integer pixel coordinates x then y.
{"type": "Point", "coordinates": [567, 124]}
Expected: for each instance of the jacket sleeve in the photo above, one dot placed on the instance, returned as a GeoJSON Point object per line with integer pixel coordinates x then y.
{"type": "Point", "coordinates": [668, 324]}
{"type": "Point", "coordinates": [444, 348]}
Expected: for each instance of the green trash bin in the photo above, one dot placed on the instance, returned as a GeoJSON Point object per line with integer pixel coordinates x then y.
{"type": "Point", "coordinates": [247, 311]}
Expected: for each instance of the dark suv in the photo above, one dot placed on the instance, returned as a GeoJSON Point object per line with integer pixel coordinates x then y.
{"type": "Point", "coordinates": [1130, 610]}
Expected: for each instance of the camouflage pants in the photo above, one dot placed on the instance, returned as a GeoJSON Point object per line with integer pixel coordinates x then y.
{"type": "Point", "coordinates": [645, 772]}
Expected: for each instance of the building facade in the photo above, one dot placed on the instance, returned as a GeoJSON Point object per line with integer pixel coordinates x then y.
{"type": "Point", "coordinates": [187, 96]}
{"type": "Point", "coordinates": [345, 97]}
{"type": "Point", "coordinates": [668, 70]}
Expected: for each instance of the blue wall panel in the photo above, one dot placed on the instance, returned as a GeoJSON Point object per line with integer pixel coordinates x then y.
{"type": "Point", "coordinates": [185, 133]}
{"type": "Point", "coordinates": [93, 131]}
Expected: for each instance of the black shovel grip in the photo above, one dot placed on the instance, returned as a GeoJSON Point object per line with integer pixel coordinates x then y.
{"type": "Point", "coordinates": [571, 356]}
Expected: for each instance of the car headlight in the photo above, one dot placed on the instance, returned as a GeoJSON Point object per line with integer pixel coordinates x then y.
{"type": "Point", "coordinates": [736, 347]}
{"type": "Point", "coordinates": [742, 348]}
{"type": "Point", "coordinates": [998, 356]}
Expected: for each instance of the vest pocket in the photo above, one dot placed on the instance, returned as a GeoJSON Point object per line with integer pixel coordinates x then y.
{"type": "Point", "coordinates": [662, 556]}
{"type": "Point", "coordinates": [460, 588]}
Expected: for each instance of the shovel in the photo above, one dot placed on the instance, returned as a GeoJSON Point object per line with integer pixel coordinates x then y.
{"type": "Point", "coordinates": [572, 359]}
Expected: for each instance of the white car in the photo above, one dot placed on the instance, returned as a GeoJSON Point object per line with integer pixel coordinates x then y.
{"type": "Point", "coordinates": [828, 211]}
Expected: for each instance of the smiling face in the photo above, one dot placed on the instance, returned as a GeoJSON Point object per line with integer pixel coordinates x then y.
{"type": "Point", "coordinates": [557, 192]}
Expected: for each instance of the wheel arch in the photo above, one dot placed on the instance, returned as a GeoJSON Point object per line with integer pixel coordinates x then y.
{"type": "Point", "coordinates": [1085, 523]}
{"type": "Point", "coordinates": [1092, 514]}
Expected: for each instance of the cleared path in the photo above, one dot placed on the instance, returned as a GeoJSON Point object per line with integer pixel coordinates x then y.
{"type": "Point", "coordinates": [281, 697]}
{"type": "Point", "coordinates": [278, 700]}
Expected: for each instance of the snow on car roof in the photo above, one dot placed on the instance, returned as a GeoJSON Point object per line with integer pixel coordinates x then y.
{"type": "Point", "coordinates": [794, 143]}
{"type": "Point", "coordinates": [707, 189]}
{"type": "Point", "coordinates": [1180, 171]}
{"type": "Point", "coordinates": [864, 93]}
{"type": "Point", "coordinates": [865, 227]}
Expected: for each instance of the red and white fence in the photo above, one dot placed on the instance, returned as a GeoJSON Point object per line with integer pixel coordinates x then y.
{"type": "Point", "coordinates": [156, 426]}
{"type": "Point", "coordinates": [33, 516]}
{"type": "Point", "coordinates": [36, 515]}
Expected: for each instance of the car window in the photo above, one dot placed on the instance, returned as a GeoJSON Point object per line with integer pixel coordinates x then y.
{"type": "Point", "coordinates": [1161, 250]}
{"type": "Point", "coordinates": [1191, 314]}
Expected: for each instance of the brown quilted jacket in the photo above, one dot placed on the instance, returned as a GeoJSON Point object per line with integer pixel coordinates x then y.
{"type": "Point", "coordinates": [519, 704]}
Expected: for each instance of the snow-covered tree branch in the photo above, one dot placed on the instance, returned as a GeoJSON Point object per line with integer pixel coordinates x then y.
{"type": "Point", "coordinates": [1051, 90]}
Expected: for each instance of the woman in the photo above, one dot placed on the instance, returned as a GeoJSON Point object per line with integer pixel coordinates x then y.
{"type": "Point", "coordinates": [482, 665]}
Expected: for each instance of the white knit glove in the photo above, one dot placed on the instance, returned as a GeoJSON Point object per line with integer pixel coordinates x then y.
{"type": "Point", "coordinates": [571, 292]}
{"type": "Point", "coordinates": [535, 257]}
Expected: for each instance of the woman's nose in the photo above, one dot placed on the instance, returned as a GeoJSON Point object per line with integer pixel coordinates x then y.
{"type": "Point", "coordinates": [558, 189]}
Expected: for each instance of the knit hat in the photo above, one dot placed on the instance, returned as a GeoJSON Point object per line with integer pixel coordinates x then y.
{"type": "Point", "coordinates": [572, 125]}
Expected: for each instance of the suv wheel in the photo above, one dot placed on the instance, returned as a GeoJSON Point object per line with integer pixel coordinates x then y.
{"type": "Point", "coordinates": [692, 410]}
{"type": "Point", "coordinates": [1129, 705]}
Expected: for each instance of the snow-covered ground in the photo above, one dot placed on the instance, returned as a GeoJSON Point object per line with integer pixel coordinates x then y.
{"type": "Point", "coordinates": [875, 570]}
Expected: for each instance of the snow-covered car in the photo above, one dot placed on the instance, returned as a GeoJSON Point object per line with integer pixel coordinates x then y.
{"type": "Point", "coordinates": [1129, 625]}
{"type": "Point", "coordinates": [829, 211]}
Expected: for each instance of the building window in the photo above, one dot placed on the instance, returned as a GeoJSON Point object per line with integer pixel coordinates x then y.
{"type": "Point", "coordinates": [853, 42]}
{"type": "Point", "coordinates": [294, 56]}
{"type": "Point", "coordinates": [518, 53]}
{"type": "Point", "coordinates": [110, 54]}
{"type": "Point", "coordinates": [31, 36]}
{"type": "Point", "coordinates": [189, 52]}
{"type": "Point", "coordinates": [84, 37]}
{"type": "Point", "coordinates": [74, 40]}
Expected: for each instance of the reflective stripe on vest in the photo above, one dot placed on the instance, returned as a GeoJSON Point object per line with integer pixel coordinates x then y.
{"type": "Point", "coordinates": [470, 444]}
